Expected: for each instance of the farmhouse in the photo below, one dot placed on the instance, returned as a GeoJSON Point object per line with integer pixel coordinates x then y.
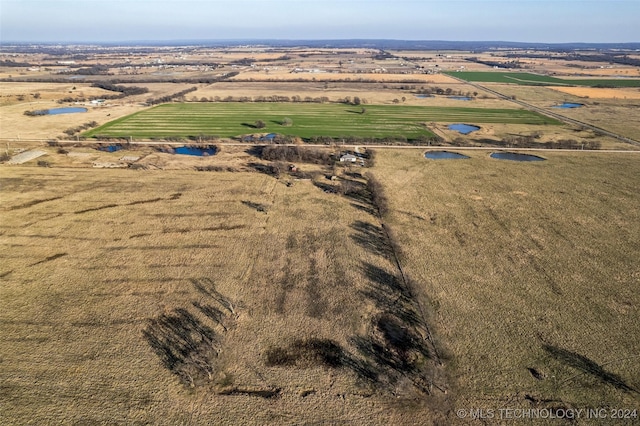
{"type": "Point", "coordinates": [348, 158]}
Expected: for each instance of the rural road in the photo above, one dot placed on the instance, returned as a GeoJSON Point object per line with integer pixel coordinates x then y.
{"type": "Point", "coordinates": [6, 141]}
{"type": "Point", "coordinates": [548, 113]}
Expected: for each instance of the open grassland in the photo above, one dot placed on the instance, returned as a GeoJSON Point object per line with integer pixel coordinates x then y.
{"type": "Point", "coordinates": [18, 97]}
{"type": "Point", "coordinates": [202, 298]}
{"type": "Point", "coordinates": [532, 271]}
{"type": "Point", "coordinates": [308, 120]}
{"type": "Point", "coordinates": [600, 92]}
{"type": "Point", "coordinates": [169, 297]}
{"type": "Point", "coordinates": [528, 79]}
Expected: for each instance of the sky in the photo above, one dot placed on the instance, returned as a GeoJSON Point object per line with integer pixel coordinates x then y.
{"type": "Point", "coordinates": [544, 21]}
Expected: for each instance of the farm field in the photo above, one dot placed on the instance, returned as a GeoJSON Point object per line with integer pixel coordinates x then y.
{"type": "Point", "coordinates": [531, 271]}
{"type": "Point", "coordinates": [194, 297]}
{"type": "Point", "coordinates": [177, 296]}
{"type": "Point", "coordinates": [234, 119]}
{"type": "Point", "coordinates": [528, 79]}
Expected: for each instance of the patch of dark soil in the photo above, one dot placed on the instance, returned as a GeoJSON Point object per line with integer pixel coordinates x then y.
{"type": "Point", "coordinates": [306, 353]}
{"type": "Point", "coordinates": [262, 393]}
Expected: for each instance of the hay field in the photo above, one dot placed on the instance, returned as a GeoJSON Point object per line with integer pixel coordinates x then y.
{"type": "Point", "coordinates": [523, 78]}
{"type": "Point", "coordinates": [189, 297]}
{"type": "Point", "coordinates": [335, 120]}
{"type": "Point", "coordinates": [599, 93]}
{"type": "Point", "coordinates": [531, 270]}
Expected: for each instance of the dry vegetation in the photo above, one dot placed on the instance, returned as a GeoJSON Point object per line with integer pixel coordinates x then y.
{"type": "Point", "coordinates": [388, 297]}
{"type": "Point", "coordinates": [533, 281]}
{"type": "Point", "coordinates": [233, 290]}
{"type": "Point", "coordinates": [159, 297]}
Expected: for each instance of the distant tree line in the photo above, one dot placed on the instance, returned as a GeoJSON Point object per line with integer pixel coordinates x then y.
{"type": "Point", "coordinates": [169, 98]}
{"type": "Point", "coordinates": [94, 70]}
{"type": "Point", "coordinates": [201, 80]}
{"type": "Point", "coordinates": [73, 130]}
{"type": "Point", "coordinates": [440, 91]}
{"type": "Point", "coordinates": [12, 63]}
{"type": "Point", "coordinates": [612, 58]}
{"type": "Point", "coordinates": [529, 142]}
{"type": "Point", "coordinates": [506, 65]}
{"type": "Point", "coordinates": [123, 90]}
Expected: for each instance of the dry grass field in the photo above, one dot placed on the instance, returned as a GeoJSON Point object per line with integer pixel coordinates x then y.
{"type": "Point", "coordinates": [183, 297]}
{"type": "Point", "coordinates": [201, 298]}
{"type": "Point", "coordinates": [600, 93]}
{"type": "Point", "coordinates": [532, 272]}
{"type": "Point", "coordinates": [15, 125]}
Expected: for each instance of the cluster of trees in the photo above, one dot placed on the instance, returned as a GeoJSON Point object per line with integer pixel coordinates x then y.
{"type": "Point", "coordinates": [280, 98]}
{"type": "Point", "coordinates": [530, 142]}
{"type": "Point", "coordinates": [508, 65]}
{"type": "Point", "coordinates": [169, 98]}
{"type": "Point", "coordinates": [36, 113]}
{"type": "Point", "coordinates": [94, 70]}
{"type": "Point", "coordinates": [297, 154]}
{"type": "Point", "coordinates": [73, 130]}
{"type": "Point", "coordinates": [440, 91]}
{"type": "Point", "coordinates": [123, 90]}
{"type": "Point", "coordinates": [370, 140]}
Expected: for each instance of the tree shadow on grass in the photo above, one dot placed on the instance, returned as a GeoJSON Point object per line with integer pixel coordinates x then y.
{"type": "Point", "coordinates": [185, 345]}
{"type": "Point", "coordinates": [389, 295]}
{"type": "Point", "coordinates": [372, 238]}
{"type": "Point", "coordinates": [587, 366]}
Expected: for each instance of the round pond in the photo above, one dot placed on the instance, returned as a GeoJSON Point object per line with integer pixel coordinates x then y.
{"type": "Point", "coordinates": [515, 156]}
{"type": "Point", "coordinates": [465, 129]}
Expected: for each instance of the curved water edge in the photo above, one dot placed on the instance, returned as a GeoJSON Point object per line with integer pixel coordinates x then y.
{"type": "Point", "coordinates": [460, 98]}
{"type": "Point", "coordinates": [569, 105]}
{"type": "Point", "coordinates": [515, 156]}
{"type": "Point", "coordinates": [198, 151]}
{"type": "Point", "coordinates": [465, 129]}
{"type": "Point", "coordinates": [57, 111]}
{"type": "Point", "coordinates": [110, 148]}
{"type": "Point", "coordinates": [444, 155]}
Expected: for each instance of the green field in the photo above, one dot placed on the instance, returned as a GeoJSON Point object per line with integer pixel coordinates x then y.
{"type": "Point", "coordinates": [334, 120]}
{"type": "Point", "coordinates": [528, 79]}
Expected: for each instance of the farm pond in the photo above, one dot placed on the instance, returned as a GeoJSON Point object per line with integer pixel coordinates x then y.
{"type": "Point", "coordinates": [57, 111]}
{"type": "Point", "coordinates": [444, 155]}
{"type": "Point", "coordinates": [514, 156]}
{"type": "Point", "coordinates": [569, 105]}
{"type": "Point", "coordinates": [464, 129]}
{"type": "Point", "coordinates": [197, 151]}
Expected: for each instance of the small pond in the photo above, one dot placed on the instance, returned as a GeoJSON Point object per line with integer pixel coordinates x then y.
{"type": "Point", "coordinates": [569, 105]}
{"type": "Point", "coordinates": [424, 96]}
{"type": "Point", "coordinates": [465, 129]}
{"type": "Point", "coordinates": [460, 98]}
{"type": "Point", "coordinates": [110, 148]}
{"type": "Point", "coordinates": [69, 110]}
{"type": "Point", "coordinates": [195, 150]}
{"type": "Point", "coordinates": [514, 156]}
{"type": "Point", "coordinates": [444, 155]}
